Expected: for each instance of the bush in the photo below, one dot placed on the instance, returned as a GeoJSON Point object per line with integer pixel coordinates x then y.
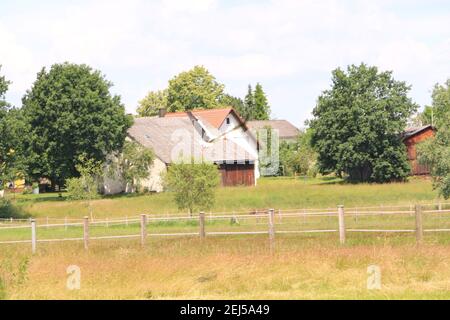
{"type": "Point", "coordinates": [83, 188]}
{"type": "Point", "coordinates": [9, 210]}
{"type": "Point", "coordinates": [193, 184]}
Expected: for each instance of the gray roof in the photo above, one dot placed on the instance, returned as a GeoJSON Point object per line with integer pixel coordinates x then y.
{"type": "Point", "coordinates": [171, 138]}
{"type": "Point", "coordinates": [409, 132]}
{"type": "Point", "coordinates": [286, 130]}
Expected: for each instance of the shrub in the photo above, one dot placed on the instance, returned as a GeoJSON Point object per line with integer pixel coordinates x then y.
{"type": "Point", "coordinates": [9, 210]}
{"type": "Point", "coordinates": [83, 188]}
{"type": "Point", "coordinates": [194, 184]}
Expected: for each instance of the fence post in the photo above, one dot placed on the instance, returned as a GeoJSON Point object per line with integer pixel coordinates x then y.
{"type": "Point", "coordinates": [33, 236]}
{"type": "Point", "coordinates": [271, 229]}
{"type": "Point", "coordinates": [86, 232]}
{"type": "Point", "coordinates": [419, 224]}
{"type": "Point", "coordinates": [440, 206]}
{"type": "Point", "coordinates": [202, 225]}
{"type": "Point", "coordinates": [143, 229]}
{"type": "Point", "coordinates": [341, 224]}
{"type": "Point", "coordinates": [46, 222]}
{"type": "Point", "coordinates": [65, 223]}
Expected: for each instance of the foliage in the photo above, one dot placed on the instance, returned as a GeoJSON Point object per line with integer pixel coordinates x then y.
{"type": "Point", "coordinates": [441, 104]}
{"type": "Point", "coordinates": [13, 135]}
{"type": "Point", "coordinates": [132, 164]}
{"type": "Point", "coordinates": [255, 105]}
{"type": "Point", "coordinates": [357, 125]}
{"type": "Point", "coordinates": [234, 102]}
{"type": "Point", "coordinates": [194, 89]}
{"type": "Point", "coordinates": [9, 210]}
{"type": "Point", "coordinates": [85, 187]}
{"type": "Point", "coordinates": [150, 105]}
{"type": "Point", "coordinates": [298, 157]}
{"type": "Point", "coordinates": [261, 106]}
{"type": "Point", "coordinates": [4, 84]}
{"type": "Point", "coordinates": [249, 105]}
{"type": "Point", "coordinates": [436, 151]}
{"type": "Point", "coordinates": [70, 111]}
{"type": "Point", "coordinates": [194, 184]}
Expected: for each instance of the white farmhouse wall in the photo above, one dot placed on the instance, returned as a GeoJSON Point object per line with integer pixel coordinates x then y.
{"type": "Point", "coordinates": [153, 183]}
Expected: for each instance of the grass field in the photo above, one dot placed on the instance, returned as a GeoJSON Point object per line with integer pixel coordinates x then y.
{"type": "Point", "coordinates": [275, 193]}
{"type": "Point", "coordinates": [233, 268]}
{"type": "Point", "coordinates": [303, 266]}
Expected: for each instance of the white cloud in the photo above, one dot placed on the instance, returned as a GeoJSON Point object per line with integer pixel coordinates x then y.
{"type": "Point", "coordinates": [284, 43]}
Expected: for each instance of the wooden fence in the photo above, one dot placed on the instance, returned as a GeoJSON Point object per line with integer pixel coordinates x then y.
{"type": "Point", "coordinates": [275, 222]}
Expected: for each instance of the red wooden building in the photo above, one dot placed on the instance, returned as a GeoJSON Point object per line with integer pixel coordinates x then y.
{"type": "Point", "coordinates": [411, 137]}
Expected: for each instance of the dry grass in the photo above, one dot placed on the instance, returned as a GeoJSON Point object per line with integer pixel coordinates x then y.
{"type": "Point", "coordinates": [237, 268]}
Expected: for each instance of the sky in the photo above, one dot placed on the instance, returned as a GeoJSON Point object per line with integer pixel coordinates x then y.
{"type": "Point", "coordinates": [289, 46]}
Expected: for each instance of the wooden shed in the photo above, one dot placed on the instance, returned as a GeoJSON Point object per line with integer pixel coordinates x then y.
{"type": "Point", "coordinates": [411, 137]}
{"type": "Point", "coordinates": [237, 174]}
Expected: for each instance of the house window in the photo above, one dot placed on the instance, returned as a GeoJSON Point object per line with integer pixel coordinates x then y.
{"type": "Point", "coordinates": [228, 120]}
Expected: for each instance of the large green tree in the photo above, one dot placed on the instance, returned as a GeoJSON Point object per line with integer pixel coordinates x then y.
{"type": "Point", "coordinates": [153, 101]}
{"type": "Point", "coordinates": [436, 151]}
{"type": "Point", "coordinates": [71, 112]}
{"type": "Point", "coordinates": [13, 134]}
{"type": "Point", "coordinates": [357, 124]}
{"type": "Point", "coordinates": [194, 89]}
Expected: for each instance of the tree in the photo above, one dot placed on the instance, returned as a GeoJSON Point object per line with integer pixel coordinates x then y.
{"type": "Point", "coordinates": [194, 89]}
{"type": "Point", "coordinates": [71, 112]}
{"type": "Point", "coordinates": [298, 157]}
{"type": "Point", "coordinates": [261, 106]}
{"type": "Point", "coordinates": [132, 164]}
{"type": "Point", "coordinates": [4, 84]}
{"type": "Point", "coordinates": [234, 102]}
{"type": "Point", "coordinates": [193, 184]}
{"type": "Point", "coordinates": [150, 105]}
{"type": "Point", "coordinates": [249, 105]}
{"type": "Point", "coordinates": [441, 104]}
{"type": "Point", "coordinates": [427, 116]}
{"type": "Point", "coordinates": [436, 151]}
{"type": "Point", "coordinates": [13, 134]}
{"type": "Point", "coordinates": [86, 186]}
{"type": "Point", "coordinates": [357, 123]}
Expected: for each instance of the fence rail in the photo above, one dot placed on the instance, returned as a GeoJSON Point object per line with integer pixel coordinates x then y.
{"type": "Point", "coordinates": [275, 222]}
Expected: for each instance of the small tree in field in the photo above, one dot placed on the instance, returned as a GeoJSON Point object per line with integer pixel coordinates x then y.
{"type": "Point", "coordinates": [193, 184]}
{"type": "Point", "coordinates": [85, 187]}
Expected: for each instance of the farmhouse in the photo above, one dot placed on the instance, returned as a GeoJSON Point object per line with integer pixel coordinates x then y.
{"type": "Point", "coordinates": [219, 136]}
{"type": "Point", "coordinates": [286, 130]}
{"type": "Point", "coordinates": [411, 137]}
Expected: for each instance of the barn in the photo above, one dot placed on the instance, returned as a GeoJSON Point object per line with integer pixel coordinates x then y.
{"type": "Point", "coordinates": [218, 135]}
{"type": "Point", "coordinates": [411, 137]}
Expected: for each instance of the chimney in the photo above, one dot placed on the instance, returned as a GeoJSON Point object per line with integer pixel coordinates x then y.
{"type": "Point", "coordinates": [162, 112]}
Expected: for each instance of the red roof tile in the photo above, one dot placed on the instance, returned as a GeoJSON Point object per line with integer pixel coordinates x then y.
{"type": "Point", "coordinates": [215, 117]}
